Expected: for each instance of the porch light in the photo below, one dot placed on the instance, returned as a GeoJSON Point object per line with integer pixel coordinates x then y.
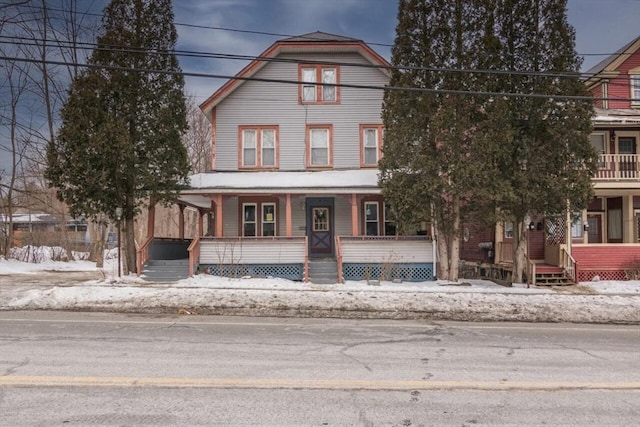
{"type": "Point", "coordinates": [586, 227]}
{"type": "Point", "coordinates": [612, 135]}
{"type": "Point", "coordinates": [532, 226]}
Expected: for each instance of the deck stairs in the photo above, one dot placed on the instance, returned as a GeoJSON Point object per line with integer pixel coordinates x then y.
{"type": "Point", "coordinates": [550, 275]}
{"type": "Point", "coordinates": [323, 271]}
{"type": "Point", "coordinates": [166, 270]}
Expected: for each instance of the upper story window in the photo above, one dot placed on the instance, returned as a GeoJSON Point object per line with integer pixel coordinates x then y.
{"type": "Point", "coordinates": [319, 146]}
{"type": "Point", "coordinates": [634, 80]}
{"type": "Point", "coordinates": [318, 84]}
{"type": "Point", "coordinates": [597, 140]}
{"type": "Point", "coordinates": [258, 147]}
{"type": "Point", "coordinates": [370, 145]}
{"type": "Point", "coordinates": [508, 230]}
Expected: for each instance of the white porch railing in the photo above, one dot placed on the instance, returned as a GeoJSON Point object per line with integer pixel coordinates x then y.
{"type": "Point", "coordinates": [618, 166]}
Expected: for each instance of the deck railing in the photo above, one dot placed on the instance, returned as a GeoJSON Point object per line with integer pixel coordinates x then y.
{"type": "Point", "coordinates": [618, 166]}
{"type": "Point", "coordinates": [194, 255]}
{"type": "Point", "coordinates": [568, 264]}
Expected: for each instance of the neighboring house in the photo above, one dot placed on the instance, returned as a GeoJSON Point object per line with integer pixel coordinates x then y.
{"type": "Point", "coordinates": [38, 228]}
{"type": "Point", "coordinates": [293, 187]}
{"type": "Point", "coordinates": [604, 238]}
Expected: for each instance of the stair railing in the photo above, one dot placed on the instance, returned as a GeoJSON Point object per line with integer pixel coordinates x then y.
{"type": "Point", "coordinates": [194, 254]}
{"type": "Point", "coordinates": [569, 265]}
{"type": "Point", "coordinates": [531, 272]}
{"type": "Point", "coordinates": [142, 255]}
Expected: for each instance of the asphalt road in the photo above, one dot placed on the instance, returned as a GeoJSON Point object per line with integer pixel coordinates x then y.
{"type": "Point", "coordinates": [61, 368]}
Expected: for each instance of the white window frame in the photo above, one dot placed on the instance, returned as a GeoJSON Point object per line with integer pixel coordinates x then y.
{"type": "Point", "coordinates": [374, 206]}
{"type": "Point", "coordinates": [319, 84]}
{"type": "Point", "coordinates": [258, 147]}
{"type": "Point", "coordinates": [327, 146]}
{"type": "Point", "coordinates": [255, 219]}
{"type": "Point", "coordinates": [245, 148]}
{"type": "Point", "coordinates": [634, 87]}
{"type": "Point", "coordinates": [378, 134]}
{"type": "Point", "coordinates": [508, 229]}
{"type": "Point", "coordinates": [577, 226]}
{"type": "Point", "coordinates": [265, 221]}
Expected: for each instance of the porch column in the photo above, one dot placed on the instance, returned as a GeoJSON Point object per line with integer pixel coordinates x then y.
{"type": "Point", "coordinates": [288, 216]}
{"type": "Point", "coordinates": [181, 222]}
{"type": "Point", "coordinates": [354, 214]}
{"type": "Point", "coordinates": [218, 201]}
{"type": "Point", "coordinates": [200, 223]}
{"type": "Point", "coordinates": [151, 219]}
{"type": "Point", "coordinates": [628, 226]}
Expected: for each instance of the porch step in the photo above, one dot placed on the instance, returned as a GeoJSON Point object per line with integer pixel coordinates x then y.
{"type": "Point", "coordinates": [323, 271]}
{"type": "Point", "coordinates": [166, 270]}
{"type": "Point", "coordinates": [549, 275]}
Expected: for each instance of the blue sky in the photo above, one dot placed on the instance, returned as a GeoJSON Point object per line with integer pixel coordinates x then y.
{"type": "Point", "coordinates": [602, 27]}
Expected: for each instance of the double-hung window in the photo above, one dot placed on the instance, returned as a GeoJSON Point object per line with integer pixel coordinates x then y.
{"type": "Point", "coordinates": [634, 81]}
{"type": "Point", "coordinates": [259, 218]}
{"type": "Point", "coordinates": [258, 147]}
{"type": "Point", "coordinates": [249, 220]}
{"type": "Point", "coordinates": [370, 145]}
{"type": "Point", "coordinates": [319, 146]}
{"type": "Point", "coordinates": [319, 84]}
{"type": "Point", "coordinates": [371, 219]}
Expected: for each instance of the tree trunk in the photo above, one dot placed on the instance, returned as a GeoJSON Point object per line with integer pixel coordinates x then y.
{"type": "Point", "coordinates": [520, 231]}
{"type": "Point", "coordinates": [129, 248]}
{"type": "Point", "coordinates": [443, 255]}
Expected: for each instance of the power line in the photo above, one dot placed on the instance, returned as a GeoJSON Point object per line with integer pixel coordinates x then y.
{"type": "Point", "coordinates": [252, 32]}
{"type": "Point", "coordinates": [341, 85]}
{"type": "Point", "coordinates": [32, 41]}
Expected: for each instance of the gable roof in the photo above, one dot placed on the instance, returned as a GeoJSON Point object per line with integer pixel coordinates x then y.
{"type": "Point", "coordinates": [316, 42]}
{"type": "Point", "coordinates": [608, 66]}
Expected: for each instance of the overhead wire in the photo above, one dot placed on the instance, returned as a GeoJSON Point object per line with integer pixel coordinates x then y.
{"type": "Point", "coordinates": [298, 82]}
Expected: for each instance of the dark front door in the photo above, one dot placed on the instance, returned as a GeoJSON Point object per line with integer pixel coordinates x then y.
{"type": "Point", "coordinates": [320, 227]}
{"type": "Point", "coordinates": [595, 228]}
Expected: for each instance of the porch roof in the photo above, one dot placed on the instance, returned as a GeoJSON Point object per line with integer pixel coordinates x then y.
{"type": "Point", "coordinates": [616, 116]}
{"type": "Point", "coordinates": [203, 185]}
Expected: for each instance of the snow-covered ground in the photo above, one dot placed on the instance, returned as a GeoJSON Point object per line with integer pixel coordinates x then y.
{"type": "Point", "coordinates": [43, 286]}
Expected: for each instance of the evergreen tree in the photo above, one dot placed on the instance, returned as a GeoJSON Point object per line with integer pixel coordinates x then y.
{"type": "Point", "coordinates": [119, 141]}
{"type": "Point", "coordinates": [435, 155]}
{"type": "Point", "coordinates": [547, 161]}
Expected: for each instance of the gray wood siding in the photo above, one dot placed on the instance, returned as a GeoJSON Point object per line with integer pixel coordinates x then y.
{"type": "Point", "coordinates": [263, 103]}
{"type": "Point", "coordinates": [253, 252]}
{"type": "Point", "coordinates": [391, 251]}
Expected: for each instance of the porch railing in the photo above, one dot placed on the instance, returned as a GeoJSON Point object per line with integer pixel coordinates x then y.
{"type": "Point", "coordinates": [531, 272]}
{"type": "Point", "coordinates": [142, 255]}
{"type": "Point", "coordinates": [194, 255]}
{"type": "Point", "coordinates": [618, 166]}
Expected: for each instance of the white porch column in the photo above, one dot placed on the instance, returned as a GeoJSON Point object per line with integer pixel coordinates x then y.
{"type": "Point", "coordinates": [628, 226]}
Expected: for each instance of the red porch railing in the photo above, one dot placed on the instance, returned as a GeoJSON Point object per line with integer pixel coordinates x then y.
{"type": "Point", "coordinates": [142, 255]}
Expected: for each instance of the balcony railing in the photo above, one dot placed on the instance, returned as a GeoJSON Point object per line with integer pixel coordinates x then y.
{"type": "Point", "coordinates": [618, 167]}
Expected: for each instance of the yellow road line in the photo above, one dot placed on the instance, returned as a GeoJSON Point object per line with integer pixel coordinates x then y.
{"type": "Point", "coordinates": [257, 383]}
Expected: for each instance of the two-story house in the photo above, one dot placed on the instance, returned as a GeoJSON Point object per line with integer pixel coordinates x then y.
{"type": "Point", "coordinates": [292, 191]}
{"type": "Point", "coordinates": [604, 239]}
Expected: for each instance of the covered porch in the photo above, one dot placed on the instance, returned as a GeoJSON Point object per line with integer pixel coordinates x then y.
{"type": "Point", "coordinates": [282, 224]}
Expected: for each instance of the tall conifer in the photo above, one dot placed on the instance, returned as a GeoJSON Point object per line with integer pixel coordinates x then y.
{"type": "Point", "coordinates": [119, 142]}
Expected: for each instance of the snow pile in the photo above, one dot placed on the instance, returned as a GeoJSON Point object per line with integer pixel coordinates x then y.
{"type": "Point", "coordinates": [79, 285]}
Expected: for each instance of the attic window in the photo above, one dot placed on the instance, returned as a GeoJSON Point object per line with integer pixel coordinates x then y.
{"type": "Point", "coordinates": [311, 91]}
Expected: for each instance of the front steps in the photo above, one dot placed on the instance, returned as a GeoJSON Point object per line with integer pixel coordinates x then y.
{"type": "Point", "coordinates": [323, 271]}
{"type": "Point", "coordinates": [548, 275]}
{"type": "Point", "coordinates": [166, 270]}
